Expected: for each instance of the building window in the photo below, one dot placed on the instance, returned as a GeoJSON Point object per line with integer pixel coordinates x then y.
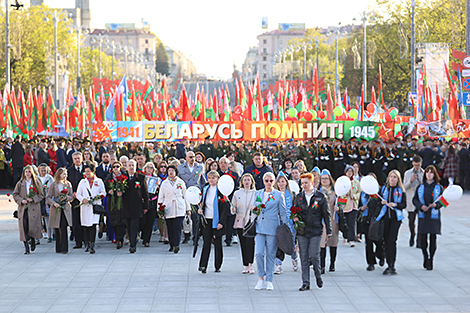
{"type": "Point", "coordinates": [146, 41]}
{"type": "Point", "coordinates": [264, 58]}
{"type": "Point", "coordinates": [265, 41]}
{"type": "Point", "coordinates": [264, 75]}
{"type": "Point", "coordinates": [265, 50]}
{"type": "Point", "coordinates": [265, 67]}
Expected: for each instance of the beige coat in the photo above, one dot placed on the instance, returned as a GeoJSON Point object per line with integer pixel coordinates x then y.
{"type": "Point", "coordinates": [333, 240]}
{"type": "Point", "coordinates": [242, 202]}
{"type": "Point", "coordinates": [410, 187]}
{"type": "Point", "coordinates": [353, 197]}
{"type": "Point", "coordinates": [55, 215]}
{"type": "Point", "coordinates": [34, 210]}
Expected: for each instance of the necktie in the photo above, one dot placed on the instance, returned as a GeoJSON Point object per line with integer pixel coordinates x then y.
{"type": "Point", "coordinates": [105, 168]}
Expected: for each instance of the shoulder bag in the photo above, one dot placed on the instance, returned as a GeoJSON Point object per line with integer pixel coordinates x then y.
{"type": "Point", "coordinates": [97, 208]}
{"type": "Point", "coordinates": [249, 230]}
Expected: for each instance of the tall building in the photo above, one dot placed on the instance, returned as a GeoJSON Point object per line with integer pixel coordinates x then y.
{"type": "Point", "coordinates": [180, 65]}
{"type": "Point", "coordinates": [250, 66]}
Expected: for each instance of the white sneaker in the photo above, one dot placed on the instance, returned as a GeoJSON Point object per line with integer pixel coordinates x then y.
{"type": "Point", "coordinates": [352, 244]}
{"type": "Point", "coordinates": [278, 270]}
{"type": "Point", "coordinates": [269, 286]}
{"type": "Point", "coordinates": [260, 285]}
{"type": "Point", "coordinates": [295, 265]}
{"type": "Point", "coordinates": [235, 240]}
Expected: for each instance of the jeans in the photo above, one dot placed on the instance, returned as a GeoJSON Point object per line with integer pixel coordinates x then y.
{"type": "Point", "coordinates": [351, 218]}
{"type": "Point", "coordinates": [175, 225]}
{"type": "Point", "coordinates": [309, 249]}
{"type": "Point", "coordinates": [268, 244]}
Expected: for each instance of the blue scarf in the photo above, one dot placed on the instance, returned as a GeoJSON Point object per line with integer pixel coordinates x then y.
{"type": "Point", "coordinates": [435, 195]}
{"type": "Point", "coordinates": [397, 197]}
{"type": "Point", "coordinates": [215, 220]}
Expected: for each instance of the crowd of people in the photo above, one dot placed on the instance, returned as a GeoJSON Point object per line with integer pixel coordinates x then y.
{"type": "Point", "coordinates": [131, 191]}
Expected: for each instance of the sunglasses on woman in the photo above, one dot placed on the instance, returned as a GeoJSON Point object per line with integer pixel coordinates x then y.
{"type": "Point", "coordinates": [268, 180]}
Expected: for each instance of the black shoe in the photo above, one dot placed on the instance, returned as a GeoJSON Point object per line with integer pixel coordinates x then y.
{"type": "Point", "coordinates": [304, 287]}
{"type": "Point", "coordinates": [426, 263]}
{"type": "Point", "coordinates": [217, 270]}
{"type": "Point", "coordinates": [171, 249]}
{"type": "Point", "coordinates": [132, 249]}
{"type": "Point", "coordinates": [382, 262]}
{"type": "Point", "coordinates": [33, 244]}
{"type": "Point", "coordinates": [87, 247]}
{"type": "Point", "coordinates": [166, 242]}
{"type": "Point", "coordinates": [319, 282]}
{"type": "Point", "coordinates": [38, 242]}
{"type": "Point", "coordinates": [100, 234]}
{"type": "Point", "coordinates": [412, 241]}
{"type": "Point", "coordinates": [77, 246]}
{"type": "Point", "coordinates": [393, 271]}
{"type": "Point", "coordinates": [322, 271]}
{"type": "Point", "coordinates": [71, 238]}
{"type": "Point", "coordinates": [202, 269]}
{"type": "Point", "coordinates": [185, 241]}
{"type": "Point", "coordinates": [119, 244]}
{"type": "Point", "coordinates": [430, 265]}
{"type": "Point", "coordinates": [26, 247]}
{"type": "Point", "coordinates": [92, 248]}
{"type": "Point", "coordinates": [176, 250]}
{"type": "Point", "coordinates": [229, 244]}
{"type": "Point", "coordinates": [371, 267]}
{"type": "Point", "coordinates": [64, 252]}
{"type": "Point", "coordinates": [332, 267]}
{"type": "Point", "coordinates": [387, 271]}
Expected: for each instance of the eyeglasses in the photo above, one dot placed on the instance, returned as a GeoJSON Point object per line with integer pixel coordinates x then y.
{"type": "Point", "coordinates": [325, 178]}
{"type": "Point", "coordinates": [116, 166]}
{"type": "Point", "coordinates": [191, 157]}
{"type": "Point", "coordinates": [162, 166]}
{"type": "Point", "coordinates": [268, 180]}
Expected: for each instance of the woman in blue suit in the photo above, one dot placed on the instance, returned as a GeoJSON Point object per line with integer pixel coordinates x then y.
{"type": "Point", "coordinates": [272, 204]}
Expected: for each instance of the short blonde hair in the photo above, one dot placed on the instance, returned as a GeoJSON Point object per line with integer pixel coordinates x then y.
{"type": "Point", "coordinates": [213, 173]}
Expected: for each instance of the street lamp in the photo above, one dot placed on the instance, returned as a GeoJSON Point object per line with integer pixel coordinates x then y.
{"type": "Point", "coordinates": [100, 39]}
{"type": "Point", "coordinates": [113, 45]}
{"type": "Point", "coordinates": [78, 30]}
{"type": "Point", "coordinates": [56, 18]}
{"type": "Point", "coordinates": [127, 50]}
{"type": "Point", "coordinates": [304, 46]}
{"type": "Point", "coordinates": [317, 43]}
{"type": "Point", "coordinates": [336, 31]}
{"type": "Point", "coordinates": [291, 49]}
{"type": "Point", "coordinates": [364, 18]}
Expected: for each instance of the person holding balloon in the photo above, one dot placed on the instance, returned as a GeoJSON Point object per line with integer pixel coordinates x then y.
{"type": "Point", "coordinates": [393, 203]}
{"type": "Point", "coordinates": [215, 207]}
{"type": "Point", "coordinates": [350, 202]}
{"type": "Point", "coordinates": [426, 201]}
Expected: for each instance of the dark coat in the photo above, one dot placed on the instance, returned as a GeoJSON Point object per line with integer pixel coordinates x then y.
{"type": "Point", "coordinates": [208, 150]}
{"type": "Point", "coordinates": [464, 156]}
{"type": "Point", "coordinates": [224, 208]}
{"type": "Point", "coordinates": [17, 155]}
{"type": "Point", "coordinates": [251, 169]}
{"type": "Point", "coordinates": [74, 177]}
{"type": "Point", "coordinates": [180, 151]}
{"type": "Point", "coordinates": [43, 157]}
{"type": "Point", "coordinates": [427, 225]}
{"type": "Point", "coordinates": [135, 199]}
{"type": "Point", "coordinates": [313, 217]}
{"type": "Point", "coordinates": [429, 156]}
{"type": "Point", "coordinates": [61, 158]}
{"type": "Point", "coordinates": [101, 173]}
{"type": "Point", "coordinates": [69, 156]}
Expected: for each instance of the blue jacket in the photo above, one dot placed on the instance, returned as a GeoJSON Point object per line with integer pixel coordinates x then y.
{"type": "Point", "coordinates": [61, 158]}
{"type": "Point", "coordinates": [268, 220]}
{"type": "Point", "coordinates": [258, 173]}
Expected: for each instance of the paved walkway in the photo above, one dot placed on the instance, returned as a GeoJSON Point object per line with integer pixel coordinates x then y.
{"type": "Point", "coordinates": [154, 280]}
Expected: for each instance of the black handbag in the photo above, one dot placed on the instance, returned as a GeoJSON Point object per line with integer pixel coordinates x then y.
{"type": "Point", "coordinates": [376, 230]}
{"type": "Point", "coordinates": [97, 208]}
{"type": "Point", "coordinates": [43, 208]}
{"type": "Point", "coordinates": [342, 223]}
{"type": "Point", "coordinates": [249, 230]}
{"type": "Point", "coordinates": [15, 214]}
{"type": "Point", "coordinates": [285, 239]}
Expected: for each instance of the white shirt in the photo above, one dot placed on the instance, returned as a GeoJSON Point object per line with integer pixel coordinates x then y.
{"type": "Point", "coordinates": [191, 168]}
{"type": "Point", "coordinates": [28, 185]}
{"type": "Point", "coordinates": [309, 196]}
{"type": "Point", "coordinates": [265, 196]}
{"type": "Point", "coordinates": [211, 194]}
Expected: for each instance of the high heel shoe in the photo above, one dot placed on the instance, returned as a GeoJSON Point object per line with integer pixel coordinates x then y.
{"type": "Point", "coordinates": [26, 247]}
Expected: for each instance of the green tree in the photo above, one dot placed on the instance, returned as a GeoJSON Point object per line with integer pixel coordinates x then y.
{"type": "Point", "coordinates": [162, 64]}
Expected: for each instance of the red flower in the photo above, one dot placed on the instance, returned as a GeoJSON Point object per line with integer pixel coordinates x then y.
{"type": "Point", "coordinates": [262, 205]}
{"type": "Point", "coordinates": [8, 194]}
{"type": "Point", "coordinates": [101, 196]}
{"type": "Point", "coordinates": [34, 189]}
{"type": "Point", "coordinates": [110, 181]}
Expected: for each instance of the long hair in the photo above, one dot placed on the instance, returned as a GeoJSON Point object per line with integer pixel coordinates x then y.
{"type": "Point", "coordinates": [399, 184]}
{"type": "Point", "coordinates": [253, 184]}
{"type": "Point", "coordinates": [59, 173]}
{"type": "Point", "coordinates": [287, 185]}
{"type": "Point", "coordinates": [34, 179]}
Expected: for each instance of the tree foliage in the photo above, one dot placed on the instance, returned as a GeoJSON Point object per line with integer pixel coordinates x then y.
{"type": "Point", "coordinates": [162, 64]}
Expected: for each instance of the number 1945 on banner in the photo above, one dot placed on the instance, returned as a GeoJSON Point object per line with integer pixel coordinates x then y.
{"type": "Point", "coordinates": [366, 132]}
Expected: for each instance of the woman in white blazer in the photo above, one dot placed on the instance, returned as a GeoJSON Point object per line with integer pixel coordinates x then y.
{"type": "Point", "coordinates": [173, 196]}
{"type": "Point", "coordinates": [242, 202]}
{"type": "Point", "coordinates": [90, 187]}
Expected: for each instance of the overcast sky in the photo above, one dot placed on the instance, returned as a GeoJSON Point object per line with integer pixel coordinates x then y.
{"type": "Point", "coordinates": [214, 33]}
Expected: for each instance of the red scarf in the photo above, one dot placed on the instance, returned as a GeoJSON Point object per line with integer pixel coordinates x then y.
{"type": "Point", "coordinates": [90, 181]}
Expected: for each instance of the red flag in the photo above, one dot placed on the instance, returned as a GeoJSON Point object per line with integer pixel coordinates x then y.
{"type": "Point", "coordinates": [329, 105]}
{"type": "Point", "coordinates": [362, 104]}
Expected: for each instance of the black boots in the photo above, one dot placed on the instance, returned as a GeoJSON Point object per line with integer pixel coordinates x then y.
{"type": "Point", "coordinates": [333, 251]}
{"type": "Point", "coordinates": [87, 247]}
{"type": "Point", "coordinates": [322, 259]}
{"type": "Point", "coordinates": [187, 236]}
{"type": "Point", "coordinates": [26, 247]}
{"type": "Point", "coordinates": [92, 247]}
{"type": "Point", "coordinates": [33, 244]}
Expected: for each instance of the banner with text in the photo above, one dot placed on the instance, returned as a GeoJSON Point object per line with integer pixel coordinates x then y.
{"type": "Point", "coordinates": [232, 131]}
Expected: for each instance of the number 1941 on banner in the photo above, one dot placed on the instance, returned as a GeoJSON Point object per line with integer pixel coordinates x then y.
{"type": "Point", "coordinates": [366, 132]}
{"type": "Point", "coordinates": [131, 132]}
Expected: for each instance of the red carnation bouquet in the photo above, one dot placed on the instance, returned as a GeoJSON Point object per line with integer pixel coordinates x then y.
{"type": "Point", "coordinates": [223, 199]}
{"type": "Point", "coordinates": [294, 212]}
{"type": "Point", "coordinates": [161, 212]}
{"type": "Point", "coordinates": [255, 173]}
{"type": "Point", "coordinates": [118, 185]}
{"type": "Point", "coordinates": [32, 192]}
{"type": "Point", "coordinates": [259, 208]}
{"type": "Point", "coordinates": [61, 200]}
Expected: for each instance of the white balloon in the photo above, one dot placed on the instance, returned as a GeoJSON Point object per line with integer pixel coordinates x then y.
{"type": "Point", "coordinates": [369, 185]}
{"type": "Point", "coordinates": [226, 185]}
{"type": "Point", "coordinates": [342, 186]}
{"type": "Point", "coordinates": [294, 187]}
{"type": "Point", "coordinates": [194, 195]}
{"type": "Point", "coordinates": [453, 193]}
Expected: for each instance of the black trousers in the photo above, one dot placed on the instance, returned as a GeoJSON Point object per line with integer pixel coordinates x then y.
{"type": "Point", "coordinates": [391, 228]}
{"type": "Point", "coordinates": [411, 223]}
{"type": "Point", "coordinates": [132, 225]}
{"type": "Point", "coordinates": [78, 231]}
{"type": "Point", "coordinates": [174, 226]}
{"type": "Point", "coordinates": [351, 220]}
{"type": "Point", "coordinates": [248, 247]}
{"type": "Point", "coordinates": [195, 224]}
{"type": "Point", "coordinates": [61, 238]}
{"type": "Point", "coordinates": [26, 224]}
{"type": "Point", "coordinates": [3, 179]}
{"type": "Point", "coordinates": [432, 245]}
{"type": "Point", "coordinates": [146, 225]}
{"type": "Point", "coordinates": [90, 233]}
{"type": "Point", "coordinates": [230, 231]}
{"type": "Point", "coordinates": [208, 235]}
{"type": "Point", "coordinates": [17, 171]}
{"type": "Point", "coordinates": [464, 176]}
{"type": "Point", "coordinates": [371, 255]}
{"type": "Point", "coordinates": [120, 231]}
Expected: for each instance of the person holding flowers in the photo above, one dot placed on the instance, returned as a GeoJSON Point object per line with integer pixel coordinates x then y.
{"type": "Point", "coordinates": [28, 194]}
{"type": "Point", "coordinates": [147, 221]}
{"type": "Point", "coordinates": [116, 184]}
{"type": "Point", "coordinates": [90, 191]}
{"type": "Point", "coordinates": [311, 209]}
{"type": "Point", "coordinates": [270, 204]}
{"type": "Point", "coordinates": [59, 196]}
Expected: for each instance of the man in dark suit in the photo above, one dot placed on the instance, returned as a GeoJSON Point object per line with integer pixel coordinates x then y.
{"type": "Point", "coordinates": [61, 155]}
{"type": "Point", "coordinates": [76, 148]}
{"type": "Point", "coordinates": [230, 232]}
{"type": "Point", "coordinates": [464, 166]}
{"type": "Point", "coordinates": [17, 159]}
{"type": "Point", "coordinates": [75, 175]}
{"type": "Point", "coordinates": [104, 148]}
{"type": "Point", "coordinates": [103, 170]}
{"type": "Point", "coordinates": [143, 149]}
{"type": "Point", "coordinates": [135, 202]}
{"type": "Point", "coordinates": [428, 155]}
{"type": "Point", "coordinates": [43, 156]}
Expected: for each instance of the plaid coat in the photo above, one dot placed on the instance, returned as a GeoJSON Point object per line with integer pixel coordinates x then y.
{"type": "Point", "coordinates": [450, 166]}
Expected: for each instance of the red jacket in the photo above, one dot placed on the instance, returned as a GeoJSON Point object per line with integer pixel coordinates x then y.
{"type": "Point", "coordinates": [28, 159]}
